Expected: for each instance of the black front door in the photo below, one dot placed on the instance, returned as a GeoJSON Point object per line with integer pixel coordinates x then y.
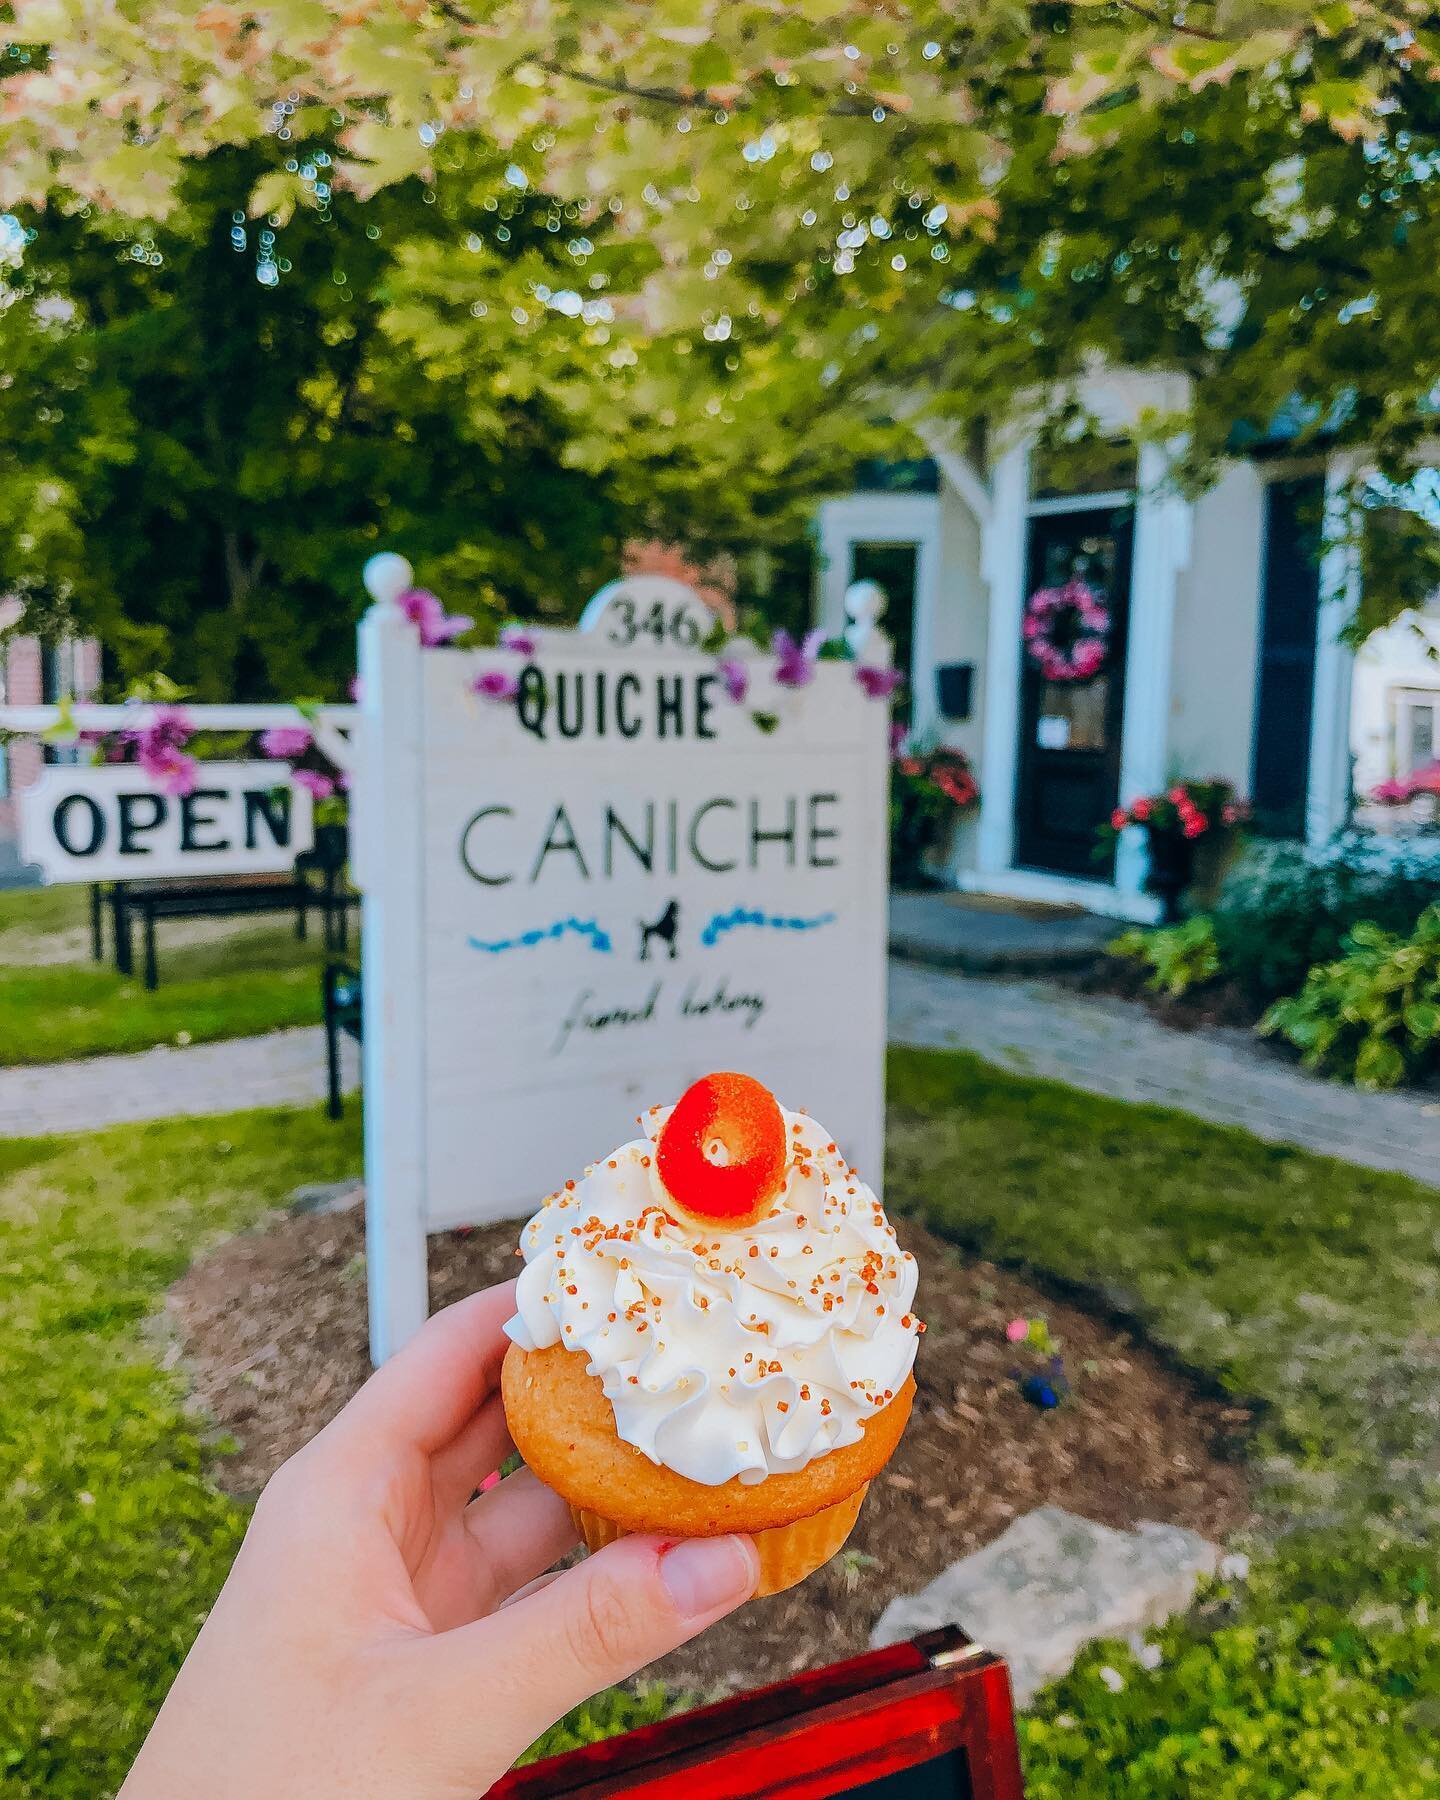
{"type": "Point", "coordinates": [1069, 768]}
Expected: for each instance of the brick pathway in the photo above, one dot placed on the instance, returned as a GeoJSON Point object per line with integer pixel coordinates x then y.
{"type": "Point", "coordinates": [1112, 1047]}
{"type": "Point", "coordinates": [284, 1068]}
{"type": "Point", "coordinates": [1031, 1027]}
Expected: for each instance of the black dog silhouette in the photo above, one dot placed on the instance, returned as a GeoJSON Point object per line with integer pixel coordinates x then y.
{"type": "Point", "coordinates": [666, 928]}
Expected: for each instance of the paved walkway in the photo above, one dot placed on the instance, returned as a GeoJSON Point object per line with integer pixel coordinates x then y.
{"type": "Point", "coordinates": [1114, 1047]}
{"type": "Point", "coordinates": [284, 1068]}
{"type": "Point", "coordinates": [1031, 1027]}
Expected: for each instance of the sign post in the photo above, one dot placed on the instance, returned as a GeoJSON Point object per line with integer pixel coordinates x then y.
{"type": "Point", "coordinates": [587, 884]}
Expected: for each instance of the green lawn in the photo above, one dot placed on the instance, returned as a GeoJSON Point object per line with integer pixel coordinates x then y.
{"type": "Point", "coordinates": [254, 980]}
{"type": "Point", "coordinates": [1307, 1285]}
{"type": "Point", "coordinates": [1304, 1284]}
{"type": "Point", "coordinates": [30, 913]}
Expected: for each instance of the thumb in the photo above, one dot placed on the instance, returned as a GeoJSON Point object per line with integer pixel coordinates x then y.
{"type": "Point", "coordinates": [590, 1627]}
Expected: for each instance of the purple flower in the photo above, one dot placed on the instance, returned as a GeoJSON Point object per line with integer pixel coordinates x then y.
{"type": "Point", "coordinates": [496, 684]}
{"type": "Point", "coordinates": [518, 639]}
{"type": "Point", "coordinates": [427, 614]}
{"type": "Point", "coordinates": [879, 684]}
{"type": "Point", "coordinates": [172, 771]}
{"type": "Point", "coordinates": [160, 748]}
{"type": "Point", "coordinates": [735, 676]}
{"type": "Point", "coordinates": [795, 663]}
{"type": "Point", "coordinates": [286, 741]}
{"type": "Point", "coordinates": [318, 786]}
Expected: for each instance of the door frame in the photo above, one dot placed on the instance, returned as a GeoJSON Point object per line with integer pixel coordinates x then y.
{"type": "Point", "coordinates": [1159, 553]}
{"type": "Point", "coordinates": [887, 519]}
{"type": "Point", "coordinates": [1027, 752]}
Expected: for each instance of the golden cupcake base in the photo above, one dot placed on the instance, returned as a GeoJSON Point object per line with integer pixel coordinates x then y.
{"type": "Point", "coordinates": [788, 1553]}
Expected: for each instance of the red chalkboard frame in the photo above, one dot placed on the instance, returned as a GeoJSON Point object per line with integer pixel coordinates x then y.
{"type": "Point", "coordinates": [821, 1734]}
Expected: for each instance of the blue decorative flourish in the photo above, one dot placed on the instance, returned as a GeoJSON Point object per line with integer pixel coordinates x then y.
{"type": "Point", "coordinates": [527, 940]}
{"type": "Point", "coordinates": [720, 923]}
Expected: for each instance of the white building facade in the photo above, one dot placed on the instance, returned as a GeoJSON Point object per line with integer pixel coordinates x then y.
{"type": "Point", "coordinates": [1224, 657]}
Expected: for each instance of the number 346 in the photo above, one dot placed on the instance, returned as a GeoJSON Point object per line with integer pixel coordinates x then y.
{"type": "Point", "coordinates": [664, 624]}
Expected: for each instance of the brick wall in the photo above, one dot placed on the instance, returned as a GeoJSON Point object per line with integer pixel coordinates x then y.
{"type": "Point", "coordinates": [22, 683]}
{"type": "Point", "coordinates": [715, 582]}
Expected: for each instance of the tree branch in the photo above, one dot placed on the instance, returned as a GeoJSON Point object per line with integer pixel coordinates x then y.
{"type": "Point", "coordinates": [853, 108]}
{"type": "Point", "coordinates": [1171, 23]}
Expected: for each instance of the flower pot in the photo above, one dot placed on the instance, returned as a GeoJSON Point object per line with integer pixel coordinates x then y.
{"type": "Point", "coordinates": [1172, 866]}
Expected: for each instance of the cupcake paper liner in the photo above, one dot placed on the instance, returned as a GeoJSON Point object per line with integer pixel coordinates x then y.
{"type": "Point", "coordinates": [788, 1553]}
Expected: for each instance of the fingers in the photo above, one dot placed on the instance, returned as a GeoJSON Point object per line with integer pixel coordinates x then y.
{"type": "Point", "coordinates": [587, 1629]}
{"type": "Point", "coordinates": [496, 1546]}
{"type": "Point", "coordinates": [477, 1450]}
{"type": "Point", "coordinates": [424, 1395]}
{"type": "Point", "coordinates": [520, 1529]}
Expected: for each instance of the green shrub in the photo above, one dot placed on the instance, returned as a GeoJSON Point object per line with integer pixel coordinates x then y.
{"type": "Point", "coordinates": [1319, 1676]}
{"type": "Point", "coordinates": [1179, 957]}
{"type": "Point", "coordinates": [1373, 1015]}
{"type": "Point", "coordinates": [1284, 909]}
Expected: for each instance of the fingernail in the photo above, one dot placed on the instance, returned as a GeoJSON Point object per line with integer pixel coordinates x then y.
{"type": "Point", "coordinates": [701, 1574]}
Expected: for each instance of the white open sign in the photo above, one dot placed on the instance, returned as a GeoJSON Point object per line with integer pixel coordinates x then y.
{"type": "Point", "coordinates": [112, 823]}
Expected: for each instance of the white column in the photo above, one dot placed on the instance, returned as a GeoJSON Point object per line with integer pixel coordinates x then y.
{"type": "Point", "coordinates": [925, 703]}
{"type": "Point", "coordinates": [1161, 549]}
{"type": "Point", "coordinates": [834, 571]}
{"type": "Point", "coordinates": [1003, 565]}
{"type": "Point", "coordinates": [1327, 794]}
{"type": "Point", "coordinates": [389, 867]}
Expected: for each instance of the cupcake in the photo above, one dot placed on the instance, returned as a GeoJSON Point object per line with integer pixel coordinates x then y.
{"type": "Point", "coordinates": [714, 1333]}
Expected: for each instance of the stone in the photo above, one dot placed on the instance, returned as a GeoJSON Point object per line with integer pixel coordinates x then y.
{"type": "Point", "coordinates": [327, 1196]}
{"type": "Point", "coordinates": [1052, 1583]}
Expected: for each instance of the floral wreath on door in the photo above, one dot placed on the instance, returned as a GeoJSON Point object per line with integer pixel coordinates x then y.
{"type": "Point", "coordinates": [1067, 631]}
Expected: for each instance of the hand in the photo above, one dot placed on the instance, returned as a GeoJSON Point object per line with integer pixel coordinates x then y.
{"type": "Point", "coordinates": [383, 1634]}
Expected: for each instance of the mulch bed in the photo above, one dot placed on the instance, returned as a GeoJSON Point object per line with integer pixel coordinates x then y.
{"type": "Point", "coordinates": [1223, 1003]}
{"type": "Point", "coordinates": [272, 1329]}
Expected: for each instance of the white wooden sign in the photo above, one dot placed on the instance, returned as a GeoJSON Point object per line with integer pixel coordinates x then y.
{"type": "Point", "coordinates": [111, 823]}
{"type": "Point", "coordinates": [579, 900]}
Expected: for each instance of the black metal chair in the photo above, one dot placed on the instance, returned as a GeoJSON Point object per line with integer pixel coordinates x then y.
{"type": "Point", "coordinates": [341, 992]}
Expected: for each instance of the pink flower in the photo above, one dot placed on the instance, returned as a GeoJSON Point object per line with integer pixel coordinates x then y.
{"type": "Point", "coordinates": [878, 684]}
{"type": "Point", "coordinates": [429, 617]}
{"type": "Point", "coordinates": [496, 684]}
{"type": "Point", "coordinates": [355, 689]}
{"type": "Point", "coordinates": [1140, 810]}
{"type": "Point", "coordinates": [172, 771]}
{"type": "Point", "coordinates": [518, 639]}
{"type": "Point", "coordinates": [735, 676]}
{"type": "Point", "coordinates": [1017, 1330]}
{"type": "Point", "coordinates": [1119, 819]}
{"type": "Point", "coordinates": [286, 741]}
{"type": "Point", "coordinates": [795, 663]}
{"type": "Point", "coordinates": [1426, 780]}
{"type": "Point", "coordinates": [1194, 826]}
{"type": "Point", "coordinates": [1177, 796]}
{"type": "Point", "coordinates": [159, 748]}
{"type": "Point", "coordinates": [318, 786]}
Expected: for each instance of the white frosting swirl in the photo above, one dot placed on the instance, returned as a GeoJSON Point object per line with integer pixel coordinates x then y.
{"type": "Point", "coordinates": [725, 1353]}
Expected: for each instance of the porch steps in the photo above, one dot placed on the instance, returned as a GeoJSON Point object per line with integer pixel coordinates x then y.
{"type": "Point", "coordinates": [985, 936]}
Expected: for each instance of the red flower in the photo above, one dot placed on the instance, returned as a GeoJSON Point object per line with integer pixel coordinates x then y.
{"type": "Point", "coordinates": [1140, 810]}
{"type": "Point", "coordinates": [1119, 819]}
